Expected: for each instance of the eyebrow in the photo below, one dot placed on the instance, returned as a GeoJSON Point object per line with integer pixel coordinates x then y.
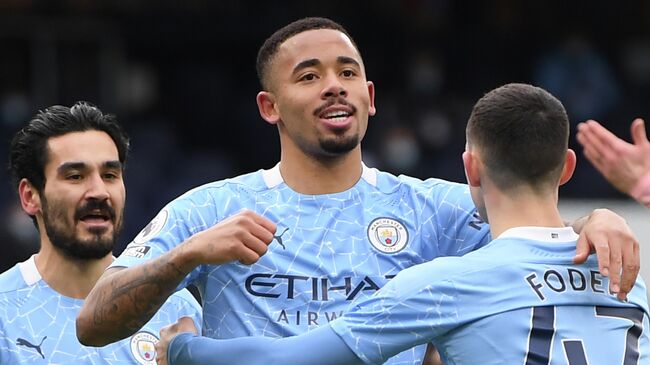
{"type": "Point", "coordinates": [82, 166]}
{"type": "Point", "coordinates": [306, 64]}
{"type": "Point", "coordinates": [344, 60]}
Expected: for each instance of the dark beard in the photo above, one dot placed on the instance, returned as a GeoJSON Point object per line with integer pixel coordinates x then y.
{"type": "Point", "coordinates": [337, 147]}
{"type": "Point", "coordinates": [64, 238]}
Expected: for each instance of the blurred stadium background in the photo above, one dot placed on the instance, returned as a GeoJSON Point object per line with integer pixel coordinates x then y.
{"type": "Point", "coordinates": [180, 76]}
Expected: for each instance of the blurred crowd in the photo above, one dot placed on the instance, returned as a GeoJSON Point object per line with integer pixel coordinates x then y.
{"type": "Point", "coordinates": [180, 76]}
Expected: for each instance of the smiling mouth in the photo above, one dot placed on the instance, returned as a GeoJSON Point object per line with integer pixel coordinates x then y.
{"type": "Point", "coordinates": [337, 116]}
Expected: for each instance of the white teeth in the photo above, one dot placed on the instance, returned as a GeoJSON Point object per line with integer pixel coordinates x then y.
{"type": "Point", "coordinates": [336, 114]}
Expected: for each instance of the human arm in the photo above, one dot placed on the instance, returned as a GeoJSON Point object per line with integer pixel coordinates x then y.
{"type": "Point", "coordinates": [616, 247]}
{"type": "Point", "coordinates": [179, 344]}
{"type": "Point", "coordinates": [602, 231]}
{"type": "Point", "coordinates": [625, 165]}
{"type": "Point", "coordinates": [124, 299]}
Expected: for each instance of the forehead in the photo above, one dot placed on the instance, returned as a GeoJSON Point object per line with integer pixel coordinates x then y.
{"type": "Point", "coordinates": [91, 147]}
{"type": "Point", "coordinates": [321, 44]}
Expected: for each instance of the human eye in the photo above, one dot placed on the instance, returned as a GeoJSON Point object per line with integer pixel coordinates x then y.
{"type": "Point", "coordinates": [111, 175]}
{"type": "Point", "coordinates": [348, 73]}
{"type": "Point", "coordinates": [308, 77]}
{"type": "Point", "coordinates": [73, 176]}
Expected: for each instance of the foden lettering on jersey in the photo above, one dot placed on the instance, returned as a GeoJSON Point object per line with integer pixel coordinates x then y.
{"type": "Point", "coordinates": [569, 279]}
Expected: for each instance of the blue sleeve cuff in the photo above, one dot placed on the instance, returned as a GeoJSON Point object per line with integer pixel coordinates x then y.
{"type": "Point", "coordinates": [178, 350]}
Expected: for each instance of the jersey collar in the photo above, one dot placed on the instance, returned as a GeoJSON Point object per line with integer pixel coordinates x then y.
{"type": "Point", "coordinates": [545, 234]}
{"type": "Point", "coordinates": [273, 178]}
{"type": "Point", "coordinates": [29, 271]}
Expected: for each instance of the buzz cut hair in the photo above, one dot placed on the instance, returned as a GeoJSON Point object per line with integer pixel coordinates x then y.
{"type": "Point", "coordinates": [269, 48]}
{"type": "Point", "coordinates": [522, 133]}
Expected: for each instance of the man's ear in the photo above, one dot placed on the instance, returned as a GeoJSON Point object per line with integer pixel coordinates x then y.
{"type": "Point", "coordinates": [569, 166]}
{"type": "Point", "coordinates": [30, 199]}
{"type": "Point", "coordinates": [472, 168]}
{"type": "Point", "coordinates": [266, 105]}
{"type": "Point", "coordinates": [371, 93]}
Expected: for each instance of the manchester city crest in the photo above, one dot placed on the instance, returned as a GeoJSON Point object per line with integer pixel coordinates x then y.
{"type": "Point", "coordinates": [387, 235]}
{"type": "Point", "coordinates": [143, 348]}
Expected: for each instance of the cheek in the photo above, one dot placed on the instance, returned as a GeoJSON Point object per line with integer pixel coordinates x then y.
{"type": "Point", "coordinates": [118, 198]}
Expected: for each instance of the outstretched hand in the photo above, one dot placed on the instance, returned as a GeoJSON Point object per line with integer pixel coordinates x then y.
{"type": "Point", "coordinates": [607, 233]}
{"type": "Point", "coordinates": [620, 162]}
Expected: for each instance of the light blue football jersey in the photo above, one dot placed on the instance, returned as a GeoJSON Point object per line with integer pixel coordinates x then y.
{"type": "Point", "coordinates": [37, 324]}
{"type": "Point", "coordinates": [329, 249]}
{"type": "Point", "coordinates": [519, 300]}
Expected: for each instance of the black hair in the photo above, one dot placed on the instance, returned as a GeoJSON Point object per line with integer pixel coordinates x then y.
{"type": "Point", "coordinates": [28, 153]}
{"type": "Point", "coordinates": [270, 47]}
{"type": "Point", "coordinates": [522, 132]}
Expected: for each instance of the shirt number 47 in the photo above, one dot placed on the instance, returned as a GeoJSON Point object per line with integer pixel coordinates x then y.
{"type": "Point", "coordinates": [543, 331]}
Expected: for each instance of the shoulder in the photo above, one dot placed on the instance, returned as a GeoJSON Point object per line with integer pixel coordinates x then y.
{"type": "Point", "coordinates": [12, 280]}
{"type": "Point", "coordinates": [388, 183]}
{"type": "Point", "coordinates": [431, 183]}
{"type": "Point", "coordinates": [473, 267]}
{"type": "Point", "coordinates": [246, 184]}
{"type": "Point", "coordinates": [184, 297]}
{"type": "Point", "coordinates": [253, 181]}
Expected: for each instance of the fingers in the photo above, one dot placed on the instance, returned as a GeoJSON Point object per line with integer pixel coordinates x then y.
{"type": "Point", "coordinates": [615, 265]}
{"type": "Point", "coordinates": [593, 147]}
{"type": "Point", "coordinates": [601, 142]}
{"type": "Point", "coordinates": [184, 324]}
{"type": "Point", "coordinates": [266, 223]}
{"type": "Point", "coordinates": [631, 264]}
{"type": "Point", "coordinates": [616, 247]}
{"type": "Point", "coordinates": [595, 158]}
{"type": "Point", "coordinates": [250, 251]}
{"type": "Point", "coordinates": [601, 136]}
{"type": "Point", "coordinates": [582, 250]}
{"type": "Point", "coordinates": [257, 235]}
{"type": "Point", "coordinates": [242, 237]}
{"type": "Point", "coordinates": [601, 246]}
{"type": "Point", "coordinates": [639, 135]}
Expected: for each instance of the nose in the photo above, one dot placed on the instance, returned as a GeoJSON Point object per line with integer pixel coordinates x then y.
{"type": "Point", "coordinates": [333, 88]}
{"type": "Point", "coordinates": [96, 188]}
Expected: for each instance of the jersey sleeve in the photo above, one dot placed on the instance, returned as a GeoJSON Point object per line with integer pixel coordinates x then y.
{"type": "Point", "coordinates": [179, 304]}
{"type": "Point", "coordinates": [175, 223]}
{"type": "Point", "coordinates": [318, 347]}
{"type": "Point", "coordinates": [410, 310]}
{"type": "Point", "coordinates": [455, 227]}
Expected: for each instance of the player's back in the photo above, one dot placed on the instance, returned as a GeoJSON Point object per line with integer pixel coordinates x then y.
{"type": "Point", "coordinates": [554, 312]}
{"type": "Point", "coordinates": [562, 335]}
{"type": "Point", "coordinates": [519, 300]}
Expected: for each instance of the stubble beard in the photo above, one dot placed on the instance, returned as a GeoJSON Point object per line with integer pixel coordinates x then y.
{"type": "Point", "coordinates": [339, 146]}
{"type": "Point", "coordinates": [63, 236]}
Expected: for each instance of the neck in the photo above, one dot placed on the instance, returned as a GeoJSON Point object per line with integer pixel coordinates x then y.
{"type": "Point", "coordinates": [521, 209]}
{"type": "Point", "coordinates": [70, 277]}
{"type": "Point", "coordinates": [308, 175]}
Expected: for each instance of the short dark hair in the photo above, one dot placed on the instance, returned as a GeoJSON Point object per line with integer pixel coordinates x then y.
{"type": "Point", "coordinates": [28, 153]}
{"type": "Point", "coordinates": [522, 132]}
{"type": "Point", "coordinates": [270, 47]}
